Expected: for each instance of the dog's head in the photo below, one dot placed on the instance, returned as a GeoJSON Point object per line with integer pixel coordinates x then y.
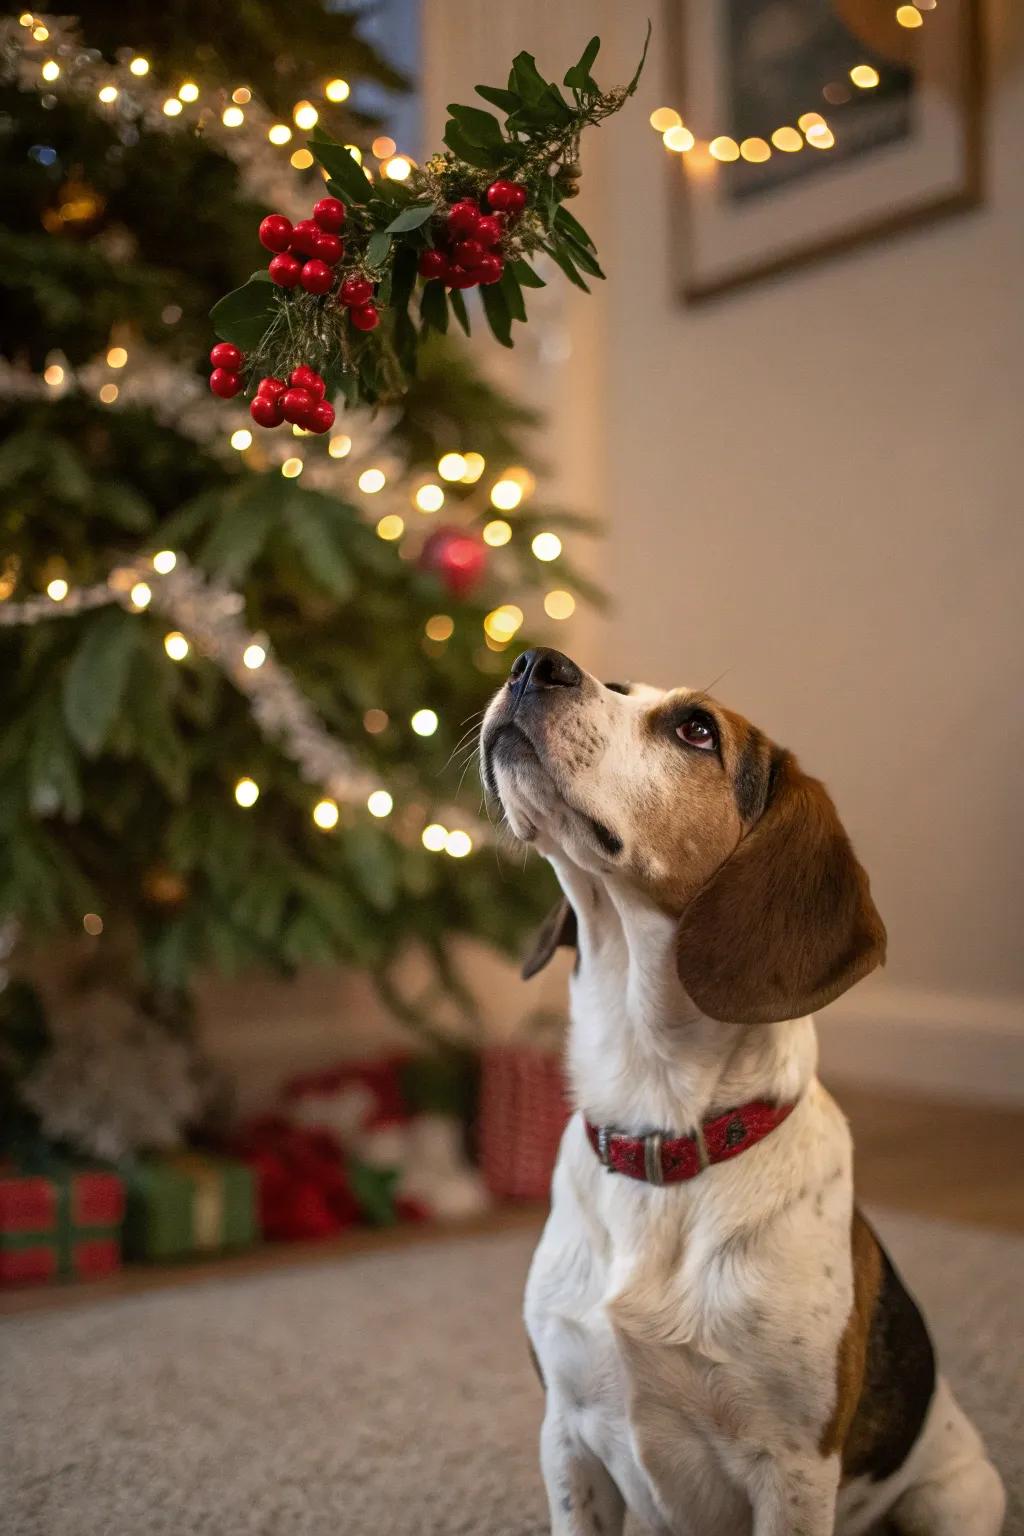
{"type": "Point", "coordinates": [690, 804]}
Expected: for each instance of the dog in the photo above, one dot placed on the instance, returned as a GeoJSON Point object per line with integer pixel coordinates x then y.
{"type": "Point", "coordinates": [725, 1346]}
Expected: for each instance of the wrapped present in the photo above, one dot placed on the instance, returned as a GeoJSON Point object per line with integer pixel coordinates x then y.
{"type": "Point", "coordinates": [305, 1189]}
{"type": "Point", "coordinates": [523, 1112]}
{"type": "Point", "coordinates": [184, 1203]}
{"type": "Point", "coordinates": [60, 1222]}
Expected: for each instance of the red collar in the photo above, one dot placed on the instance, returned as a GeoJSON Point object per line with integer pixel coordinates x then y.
{"type": "Point", "coordinates": [658, 1159]}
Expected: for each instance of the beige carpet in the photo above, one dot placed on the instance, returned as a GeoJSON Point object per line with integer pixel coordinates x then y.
{"type": "Point", "coordinates": [389, 1395]}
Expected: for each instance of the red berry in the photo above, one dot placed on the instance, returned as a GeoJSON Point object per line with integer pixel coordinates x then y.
{"type": "Point", "coordinates": [272, 388]}
{"type": "Point", "coordinates": [365, 317]}
{"type": "Point", "coordinates": [458, 277]}
{"type": "Point", "coordinates": [356, 290]}
{"type": "Point", "coordinates": [226, 355]}
{"type": "Point", "coordinates": [506, 196]}
{"type": "Point", "coordinates": [316, 277]}
{"type": "Point", "coordinates": [468, 253]}
{"type": "Point", "coordinates": [266, 411]}
{"type": "Point", "coordinates": [321, 417]}
{"type": "Point", "coordinates": [275, 232]}
{"type": "Point", "coordinates": [296, 405]}
{"type": "Point", "coordinates": [225, 383]}
{"type": "Point", "coordinates": [329, 213]}
{"type": "Point", "coordinates": [304, 377]}
{"type": "Point", "coordinates": [463, 219]}
{"type": "Point", "coordinates": [330, 249]}
{"type": "Point", "coordinates": [490, 229]}
{"type": "Point", "coordinates": [305, 238]}
{"type": "Point", "coordinates": [284, 270]}
{"type": "Point", "coordinates": [433, 263]}
{"type": "Point", "coordinates": [490, 269]}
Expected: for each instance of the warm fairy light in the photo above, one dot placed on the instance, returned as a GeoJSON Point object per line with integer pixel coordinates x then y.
{"type": "Point", "coordinates": [254, 656]}
{"type": "Point", "coordinates": [298, 431]}
{"type": "Point", "coordinates": [57, 589]}
{"type": "Point", "coordinates": [506, 494]}
{"type": "Point", "coordinates": [390, 527]}
{"type": "Point", "coordinates": [93, 924]}
{"type": "Point", "coordinates": [242, 95]}
{"type": "Point", "coordinates": [188, 91]}
{"type": "Point", "coordinates": [53, 375]}
{"type": "Point", "coordinates": [107, 94]}
{"type": "Point", "coordinates": [439, 627]}
{"type": "Point", "coordinates": [172, 107]}
{"type": "Point", "coordinates": [663, 119]}
{"type": "Point", "coordinates": [678, 139]}
{"type": "Point", "coordinates": [291, 468]}
{"type": "Point", "coordinates": [430, 498]}
{"type": "Point", "coordinates": [164, 561]}
{"type": "Point", "coordinates": [279, 133]}
{"type": "Point", "coordinates": [458, 844]}
{"type": "Point", "coordinates": [50, 70]}
{"type": "Point", "coordinates": [325, 814]}
{"type": "Point", "coordinates": [755, 150]}
{"type": "Point", "coordinates": [909, 16]}
{"type": "Point", "coordinates": [247, 792]}
{"type": "Point", "coordinates": [375, 721]}
{"type": "Point", "coordinates": [340, 446]}
{"type": "Point", "coordinates": [424, 722]}
{"type": "Point", "coordinates": [497, 533]}
{"type": "Point", "coordinates": [383, 147]}
{"type": "Point", "coordinates": [474, 468]}
{"type": "Point", "coordinates": [117, 357]}
{"type": "Point", "coordinates": [337, 90]}
{"type": "Point", "coordinates": [232, 117]}
{"type": "Point", "coordinates": [434, 837]}
{"type": "Point", "coordinates": [139, 66]}
{"type": "Point", "coordinates": [355, 152]}
{"type": "Point", "coordinates": [836, 93]}
{"type": "Point", "coordinates": [379, 803]}
{"type": "Point", "coordinates": [724, 148]}
{"type": "Point", "coordinates": [241, 439]}
{"type": "Point", "coordinates": [305, 115]}
{"type": "Point", "coordinates": [40, 33]}
{"type": "Point", "coordinates": [865, 76]}
{"type": "Point", "coordinates": [171, 314]}
{"type": "Point", "coordinates": [451, 466]}
{"type": "Point", "coordinates": [821, 138]}
{"type": "Point", "coordinates": [559, 604]}
{"type": "Point", "coordinates": [546, 546]}
{"type": "Point", "coordinates": [141, 595]}
{"type": "Point", "coordinates": [502, 623]}
{"type": "Point", "coordinates": [399, 168]}
{"type": "Point", "coordinates": [176, 646]}
{"type": "Point", "coordinates": [371, 481]}
{"type": "Point", "coordinates": [788, 140]}
{"type": "Point", "coordinates": [808, 120]}
{"type": "Point", "coordinates": [26, 18]}
{"type": "Point", "coordinates": [108, 393]}
{"type": "Point", "coordinates": [302, 159]}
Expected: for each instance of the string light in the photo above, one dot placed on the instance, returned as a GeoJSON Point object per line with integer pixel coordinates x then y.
{"type": "Point", "coordinates": [241, 95]}
{"type": "Point", "coordinates": [506, 495]}
{"type": "Point", "coordinates": [26, 18]}
{"type": "Point", "coordinates": [434, 837]}
{"type": "Point", "coordinates": [93, 924]}
{"type": "Point", "coordinates": [458, 844]}
{"type": "Point", "coordinates": [821, 137]}
{"type": "Point", "coordinates": [375, 721]}
{"type": "Point", "coordinates": [241, 439]}
{"type": "Point", "coordinates": [864, 76]}
{"type": "Point", "coordinates": [439, 627]}
{"type": "Point", "coordinates": [50, 70]}
{"type": "Point", "coordinates": [53, 375]}
{"type": "Point", "coordinates": [279, 133]}
{"type": "Point", "coordinates": [172, 107]}
{"type": "Point", "coordinates": [664, 119]}
{"type": "Point", "coordinates": [302, 159]}
{"type": "Point", "coordinates": [57, 589]}
{"type": "Point", "coordinates": [501, 623]}
{"type": "Point", "coordinates": [176, 646]}
{"type": "Point", "coordinates": [424, 722]}
{"type": "Point", "coordinates": [254, 655]}
{"type": "Point", "coordinates": [337, 90]}
{"type": "Point", "coordinates": [390, 527]}
{"type": "Point", "coordinates": [546, 546]}
{"type": "Point", "coordinates": [429, 498]}
{"type": "Point", "coordinates": [451, 466]}
{"type": "Point", "coordinates": [247, 792]}
{"type": "Point", "coordinates": [678, 139]}
{"type": "Point", "coordinates": [383, 147]}
{"type": "Point", "coordinates": [474, 468]}
{"type": "Point", "coordinates": [371, 481]}
{"type": "Point", "coordinates": [117, 357]}
{"type": "Point", "coordinates": [497, 533]}
{"type": "Point", "coordinates": [340, 446]}
{"type": "Point", "coordinates": [909, 16]}
{"type": "Point", "coordinates": [305, 115]}
{"type": "Point", "coordinates": [108, 93]}
{"type": "Point", "coordinates": [355, 152]}
{"type": "Point", "coordinates": [141, 595]}
{"type": "Point", "coordinates": [755, 150]}
{"type": "Point", "coordinates": [139, 66]}
{"type": "Point", "coordinates": [164, 561]}
{"type": "Point", "coordinates": [188, 91]}
{"type": "Point", "coordinates": [559, 604]}
{"type": "Point", "coordinates": [232, 117]}
{"type": "Point", "coordinates": [724, 148]}
{"type": "Point", "coordinates": [379, 803]}
{"type": "Point", "coordinates": [325, 814]}
{"type": "Point", "coordinates": [399, 168]}
{"type": "Point", "coordinates": [788, 140]}
{"type": "Point", "coordinates": [291, 468]}
{"type": "Point", "coordinates": [109, 393]}
{"type": "Point", "coordinates": [40, 33]}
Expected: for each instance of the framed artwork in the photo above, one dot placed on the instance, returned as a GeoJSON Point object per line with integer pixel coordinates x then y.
{"type": "Point", "coordinates": [816, 125]}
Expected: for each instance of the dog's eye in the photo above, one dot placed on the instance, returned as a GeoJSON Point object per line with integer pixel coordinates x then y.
{"type": "Point", "coordinates": [698, 730]}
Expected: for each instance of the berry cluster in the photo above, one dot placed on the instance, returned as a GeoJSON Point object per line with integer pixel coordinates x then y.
{"type": "Point", "coordinates": [306, 254]}
{"type": "Point", "coordinates": [467, 256]}
{"type": "Point", "coordinates": [300, 401]}
{"type": "Point", "coordinates": [226, 378]}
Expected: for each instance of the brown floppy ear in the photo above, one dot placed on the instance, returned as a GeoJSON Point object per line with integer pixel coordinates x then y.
{"type": "Point", "coordinates": [558, 928]}
{"type": "Point", "coordinates": [787, 923]}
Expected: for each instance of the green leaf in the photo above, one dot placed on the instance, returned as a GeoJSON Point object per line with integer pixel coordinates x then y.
{"type": "Point", "coordinates": [479, 127]}
{"type": "Point", "coordinates": [508, 101]}
{"type": "Point", "coordinates": [95, 681]}
{"type": "Point", "coordinates": [411, 218]}
{"type": "Point", "coordinates": [529, 81]}
{"type": "Point", "coordinates": [561, 258]}
{"type": "Point", "coordinates": [377, 248]}
{"type": "Point", "coordinates": [243, 315]}
{"type": "Point", "coordinates": [342, 167]}
{"type": "Point", "coordinates": [403, 278]}
{"type": "Point", "coordinates": [374, 1189]}
{"type": "Point", "coordinates": [579, 75]}
{"type": "Point", "coordinates": [631, 87]}
{"type": "Point", "coordinates": [564, 220]}
{"type": "Point", "coordinates": [580, 255]}
{"type": "Point", "coordinates": [512, 294]}
{"type": "Point", "coordinates": [528, 278]}
{"type": "Point", "coordinates": [472, 154]}
{"type": "Point", "coordinates": [434, 307]}
{"type": "Point", "coordinates": [310, 527]}
{"type": "Point", "coordinates": [159, 744]}
{"type": "Point", "coordinates": [53, 781]}
{"type": "Point", "coordinates": [459, 310]}
{"type": "Point", "coordinates": [238, 535]}
{"type": "Point", "coordinates": [497, 312]}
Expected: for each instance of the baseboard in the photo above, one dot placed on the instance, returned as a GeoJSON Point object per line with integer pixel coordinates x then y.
{"type": "Point", "coordinates": [950, 1045]}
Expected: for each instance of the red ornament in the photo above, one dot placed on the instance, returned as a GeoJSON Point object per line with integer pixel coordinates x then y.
{"type": "Point", "coordinates": [463, 219]}
{"type": "Point", "coordinates": [356, 290]}
{"type": "Point", "coordinates": [304, 377]}
{"type": "Point", "coordinates": [272, 388]}
{"type": "Point", "coordinates": [321, 417]}
{"type": "Point", "coordinates": [329, 213]}
{"type": "Point", "coordinates": [266, 411]}
{"type": "Point", "coordinates": [433, 263]}
{"type": "Point", "coordinates": [275, 232]}
{"type": "Point", "coordinates": [284, 270]}
{"type": "Point", "coordinates": [490, 228]}
{"type": "Point", "coordinates": [490, 269]}
{"type": "Point", "coordinates": [506, 196]}
{"type": "Point", "coordinates": [458, 558]}
{"type": "Point", "coordinates": [225, 383]}
{"type": "Point", "coordinates": [316, 277]}
{"type": "Point", "coordinates": [458, 277]}
{"type": "Point", "coordinates": [305, 238]}
{"type": "Point", "coordinates": [296, 405]}
{"type": "Point", "coordinates": [365, 317]}
{"type": "Point", "coordinates": [330, 249]}
{"type": "Point", "coordinates": [468, 253]}
{"type": "Point", "coordinates": [226, 355]}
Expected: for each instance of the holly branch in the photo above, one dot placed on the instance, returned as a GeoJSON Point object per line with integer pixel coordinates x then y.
{"type": "Point", "coordinates": [350, 293]}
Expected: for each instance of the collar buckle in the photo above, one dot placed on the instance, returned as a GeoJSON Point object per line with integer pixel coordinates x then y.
{"type": "Point", "coordinates": [652, 1158]}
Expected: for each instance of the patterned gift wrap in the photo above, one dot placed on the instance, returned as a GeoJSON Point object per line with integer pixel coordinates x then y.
{"type": "Point", "coordinates": [61, 1223]}
{"type": "Point", "coordinates": [185, 1203]}
{"type": "Point", "coordinates": [523, 1112]}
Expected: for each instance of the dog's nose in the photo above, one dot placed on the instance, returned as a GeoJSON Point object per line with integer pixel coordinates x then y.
{"type": "Point", "coordinates": [543, 668]}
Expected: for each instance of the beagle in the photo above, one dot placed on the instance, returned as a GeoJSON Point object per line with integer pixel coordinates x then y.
{"type": "Point", "coordinates": [725, 1345]}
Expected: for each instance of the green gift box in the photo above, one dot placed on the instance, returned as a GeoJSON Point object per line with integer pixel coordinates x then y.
{"type": "Point", "coordinates": [180, 1204]}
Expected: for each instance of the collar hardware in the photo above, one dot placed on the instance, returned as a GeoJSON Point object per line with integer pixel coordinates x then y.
{"type": "Point", "coordinates": [660, 1159]}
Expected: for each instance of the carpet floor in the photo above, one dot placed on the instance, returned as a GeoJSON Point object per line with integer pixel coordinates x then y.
{"type": "Point", "coordinates": [388, 1395]}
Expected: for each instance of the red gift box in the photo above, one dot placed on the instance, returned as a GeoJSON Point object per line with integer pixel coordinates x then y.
{"type": "Point", "coordinates": [523, 1112]}
{"type": "Point", "coordinates": [62, 1222]}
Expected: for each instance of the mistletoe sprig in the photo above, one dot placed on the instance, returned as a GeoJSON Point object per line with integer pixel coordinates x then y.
{"type": "Point", "coordinates": [351, 292]}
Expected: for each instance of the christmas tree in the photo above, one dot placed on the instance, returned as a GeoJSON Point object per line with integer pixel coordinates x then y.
{"type": "Point", "coordinates": [238, 666]}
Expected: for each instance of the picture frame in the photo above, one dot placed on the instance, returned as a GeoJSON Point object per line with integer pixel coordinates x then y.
{"type": "Point", "coordinates": [898, 154]}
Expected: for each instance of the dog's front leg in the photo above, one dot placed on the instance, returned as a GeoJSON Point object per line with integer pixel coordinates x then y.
{"type": "Point", "coordinates": [795, 1495]}
{"type": "Point", "coordinates": [582, 1496]}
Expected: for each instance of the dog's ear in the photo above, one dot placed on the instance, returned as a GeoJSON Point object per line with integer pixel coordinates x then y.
{"type": "Point", "coordinates": [787, 923]}
{"type": "Point", "coordinates": [558, 928]}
